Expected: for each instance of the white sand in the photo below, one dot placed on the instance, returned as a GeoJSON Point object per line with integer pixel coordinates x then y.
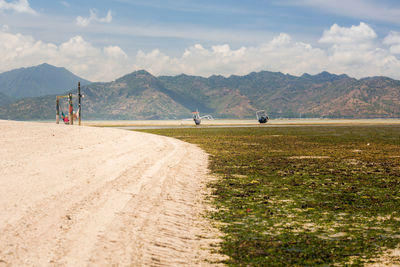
{"type": "Point", "coordinates": [78, 196]}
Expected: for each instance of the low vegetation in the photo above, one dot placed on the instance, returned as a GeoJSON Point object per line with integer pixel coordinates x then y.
{"type": "Point", "coordinates": [303, 196]}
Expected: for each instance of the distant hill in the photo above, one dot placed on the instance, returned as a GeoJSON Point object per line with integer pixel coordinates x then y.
{"type": "Point", "coordinates": [40, 80]}
{"type": "Point", "coordinates": [140, 95]}
{"type": "Point", "coordinates": [321, 95]}
{"type": "Point", "coordinates": [5, 99]}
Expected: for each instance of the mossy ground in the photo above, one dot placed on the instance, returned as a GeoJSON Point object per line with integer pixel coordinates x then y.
{"type": "Point", "coordinates": [303, 196]}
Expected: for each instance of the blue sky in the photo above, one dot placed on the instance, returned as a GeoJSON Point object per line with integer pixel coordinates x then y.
{"type": "Point", "coordinates": [102, 40]}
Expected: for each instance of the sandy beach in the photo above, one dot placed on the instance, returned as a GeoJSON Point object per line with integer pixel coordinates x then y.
{"type": "Point", "coordinates": [79, 196]}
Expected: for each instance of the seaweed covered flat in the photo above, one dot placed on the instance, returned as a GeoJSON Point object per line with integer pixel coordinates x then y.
{"type": "Point", "coordinates": [304, 196]}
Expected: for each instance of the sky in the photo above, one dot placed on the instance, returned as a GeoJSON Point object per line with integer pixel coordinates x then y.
{"type": "Point", "coordinates": [104, 40]}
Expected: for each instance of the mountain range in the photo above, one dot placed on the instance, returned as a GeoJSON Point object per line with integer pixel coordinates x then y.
{"type": "Point", "coordinates": [140, 95]}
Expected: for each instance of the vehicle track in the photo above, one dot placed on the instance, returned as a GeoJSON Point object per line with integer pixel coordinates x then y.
{"type": "Point", "coordinates": [106, 197]}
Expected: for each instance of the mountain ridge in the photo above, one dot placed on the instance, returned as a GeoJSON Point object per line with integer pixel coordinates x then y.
{"type": "Point", "coordinates": [40, 80]}
{"type": "Point", "coordinates": [140, 95]}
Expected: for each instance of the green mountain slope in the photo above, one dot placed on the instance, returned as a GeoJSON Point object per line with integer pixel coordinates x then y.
{"type": "Point", "coordinates": [5, 99]}
{"type": "Point", "coordinates": [140, 95]}
{"type": "Point", "coordinates": [135, 96]}
{"type": "Point", "coordinates": [40, 80]}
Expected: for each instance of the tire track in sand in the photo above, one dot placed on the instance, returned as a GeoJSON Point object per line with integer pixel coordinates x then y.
{"type": "Point", "coordinates": [130, 199]}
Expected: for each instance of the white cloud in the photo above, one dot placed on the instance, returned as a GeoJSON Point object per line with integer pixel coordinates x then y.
{"type": "Point", "coordinates": [83, 22]}
{"type": "Point", "coordinates": [353, 50]}
{"type": "Point", "coordinates": [76, 54]}
{"type": "Point", "coordinates": [20, 6]}
{"type": "Point", "coordinates": [280, 54]}
{"type": "Point", "coordinates": [354, 34]}
{"type": "Point", "coordinates": [115, 52]}
{"type": "Point", "coordinates": [393, 40]}
{"type": "Point", "coordinates": [395, 49]}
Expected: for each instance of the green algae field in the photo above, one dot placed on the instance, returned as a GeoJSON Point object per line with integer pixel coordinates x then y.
{"type": "Point", "coordinates": [305, 195]}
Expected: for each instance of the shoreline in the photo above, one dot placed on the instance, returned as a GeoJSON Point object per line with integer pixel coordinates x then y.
{"type": "Point", "coordinates": [237, 123]}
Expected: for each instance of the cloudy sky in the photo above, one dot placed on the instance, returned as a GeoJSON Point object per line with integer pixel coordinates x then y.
{"type": "Point", "coordinates": [103, 40]}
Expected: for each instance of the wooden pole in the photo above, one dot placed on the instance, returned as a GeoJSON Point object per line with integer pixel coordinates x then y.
{"type": "Point", "coordinates": [71, 110]}
{"type": "Point", "coordinates": [57, 110]}
{"type": "Point", "coordinates": [79, 103]}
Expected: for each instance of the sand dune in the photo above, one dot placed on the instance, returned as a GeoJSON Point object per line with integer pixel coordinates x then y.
{"type": "Point", "coordinates": [78, 196]}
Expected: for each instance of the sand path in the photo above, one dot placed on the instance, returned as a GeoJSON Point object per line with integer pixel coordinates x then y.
{"type": "Point", "coordinates": [82, 196]}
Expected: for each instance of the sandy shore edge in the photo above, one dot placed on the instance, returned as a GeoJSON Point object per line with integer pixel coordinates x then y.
{"type": "Point", "coordinates": [78, 196]}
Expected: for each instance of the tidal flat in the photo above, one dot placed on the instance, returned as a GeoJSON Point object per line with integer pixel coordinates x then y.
{"type": "Point", "coordinates": [306, 195]}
